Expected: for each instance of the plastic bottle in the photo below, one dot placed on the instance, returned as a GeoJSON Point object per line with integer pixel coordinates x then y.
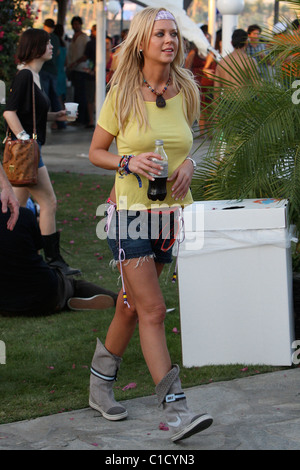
{"type": "Point", "coordinates": [157, 189]}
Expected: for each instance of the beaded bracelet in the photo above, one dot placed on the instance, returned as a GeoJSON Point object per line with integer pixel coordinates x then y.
{"type": "Point", "coordinates": [123, 167]}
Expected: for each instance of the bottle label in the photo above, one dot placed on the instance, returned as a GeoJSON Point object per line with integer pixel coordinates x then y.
{"type": "Point", "coordinates": [164, 171]}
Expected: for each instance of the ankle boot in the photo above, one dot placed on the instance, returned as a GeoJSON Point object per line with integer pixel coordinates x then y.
{"type": "Point", "coordinates": [53, 256]}
{"type": "Point", "coordinates": [103, 375]}
{"type": "Point", "coordinates": [181, 421]}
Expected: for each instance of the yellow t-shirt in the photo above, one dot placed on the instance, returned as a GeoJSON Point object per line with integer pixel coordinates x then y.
{"type": "Point", "coordinates": [167, 124]}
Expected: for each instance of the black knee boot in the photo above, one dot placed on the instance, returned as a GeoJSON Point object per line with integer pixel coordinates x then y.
{"type": "Point", "coordinates": [53, 256]}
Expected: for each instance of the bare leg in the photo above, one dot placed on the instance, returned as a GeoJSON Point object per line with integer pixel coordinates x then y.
{"type": "Point", "coordinates": [43, 194]}
{"type": "Point", "coordinates": [22, 194]}
{"type": "Point", "coordinates": [142, 285]}
{"type": "Point", "coordinates": [122, 327]}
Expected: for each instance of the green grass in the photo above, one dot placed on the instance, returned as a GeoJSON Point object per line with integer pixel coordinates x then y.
{"type": "Point", "coordinates": [48, 359]}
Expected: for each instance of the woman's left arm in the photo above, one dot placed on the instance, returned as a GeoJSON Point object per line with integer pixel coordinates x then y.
{"type": "Point", "coordinates": [182, 178]}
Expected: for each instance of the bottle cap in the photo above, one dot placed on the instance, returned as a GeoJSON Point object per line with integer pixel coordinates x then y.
{"type": "Point", "coordinates": [159, 142]}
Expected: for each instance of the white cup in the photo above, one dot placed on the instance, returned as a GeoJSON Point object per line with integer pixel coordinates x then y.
{"type": "Point", "coordinates": [71, 109]}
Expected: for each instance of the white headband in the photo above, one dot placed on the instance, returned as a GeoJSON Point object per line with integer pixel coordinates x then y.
{"type": "Point", "coordinates": [164, 15]}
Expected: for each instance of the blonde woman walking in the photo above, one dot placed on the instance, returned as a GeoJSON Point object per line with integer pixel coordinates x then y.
{"type": "Point", "coordinates": [151, 97]}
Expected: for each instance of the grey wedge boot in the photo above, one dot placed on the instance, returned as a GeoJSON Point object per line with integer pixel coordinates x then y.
{"type": "Point", "coordinates": [103, 375]}
{"type": "Point", "coordinates": [181, 421]}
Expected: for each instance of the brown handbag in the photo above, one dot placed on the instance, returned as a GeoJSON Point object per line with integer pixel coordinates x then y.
{"type": "Point", "coordinates": [21, 157]}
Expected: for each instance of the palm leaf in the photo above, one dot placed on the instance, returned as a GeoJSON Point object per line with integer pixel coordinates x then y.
{"type": "Point", "coordinates": [254, 150]}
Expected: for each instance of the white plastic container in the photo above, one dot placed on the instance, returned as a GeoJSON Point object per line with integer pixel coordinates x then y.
{"type": "Point", "coordinates": [235, 284]}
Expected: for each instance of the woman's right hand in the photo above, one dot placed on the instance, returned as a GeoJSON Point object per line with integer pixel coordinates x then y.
{"type": "Point", "coordinates": [143, 164]}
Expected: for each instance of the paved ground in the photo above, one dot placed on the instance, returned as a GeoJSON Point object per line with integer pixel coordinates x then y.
{"type": "Point", "coordinates": [256, 413]}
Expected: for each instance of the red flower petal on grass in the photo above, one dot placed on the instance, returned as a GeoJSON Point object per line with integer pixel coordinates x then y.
{"type": "Point", "coordinates": [128, 386]}
{"type": "Point", "coordinates": [163, 427]}
{"type": "Point", "coordinates": [245, 369]}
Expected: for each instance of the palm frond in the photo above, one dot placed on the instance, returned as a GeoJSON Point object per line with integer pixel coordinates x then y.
{"type": "Point", "coordinates": [293, 5]}
{"type": "Point", "coordinates": [255, 147]}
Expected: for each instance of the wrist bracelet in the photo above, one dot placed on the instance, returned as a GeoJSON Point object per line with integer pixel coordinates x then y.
{"type": "Point", "coordinates": [123, 168]}
{"type": "Point", "coordinates": [23, 135]}
{"type": "Point", "coordinates": [193, 162]}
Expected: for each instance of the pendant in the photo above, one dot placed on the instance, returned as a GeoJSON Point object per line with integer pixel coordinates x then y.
{"type": "Point", "coordinates": [160, 101]}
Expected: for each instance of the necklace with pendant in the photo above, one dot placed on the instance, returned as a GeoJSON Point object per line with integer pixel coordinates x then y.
{"type": "Point", "coordinates": [160, 101]}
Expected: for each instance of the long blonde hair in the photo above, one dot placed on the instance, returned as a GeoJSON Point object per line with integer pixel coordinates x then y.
{"type": "Point", "coordinates": [129, 77]}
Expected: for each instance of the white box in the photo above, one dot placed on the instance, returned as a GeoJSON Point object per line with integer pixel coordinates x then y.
{"type": "Point", "coordinates": [235, 284]}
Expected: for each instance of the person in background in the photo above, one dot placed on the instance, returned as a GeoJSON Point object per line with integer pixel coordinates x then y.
{"type": "Point", "coordinates": [61, 64]}
{"type": "Point", "coordinates": [257, 49]}
{"type": "Point", "coordinates": [8, 200]}
{"type": "Point", "coordinates": [49, 74]}
{"type": "Point", "coordinates": [114, 63]}
{"type": "Point", "coordinates": [109, 58]}
{"type": "Point", "coordinates": [196, 62]}
{"type": "Point", "coordinates": [90, 83]}
{"type": "Point", "coordinates": [151, 97]}
{"type": "Point", "coordinates": [28, 286]}
{"type": "Point", "coordinates": [76, 67]}
{"type": "Point", "coordinates": [236, 61]}
{"type": "Point", "coordinates": [207, 82]}
{"type": "Point", "coordinates": [34, 49]}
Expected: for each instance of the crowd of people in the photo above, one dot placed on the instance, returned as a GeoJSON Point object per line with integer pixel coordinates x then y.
{"type": "Point", "coordinates": [250, 52]}
{"type": "Point", "coordinates": [151, 95]}
{"type": "Point", "coordinates": [73, 64]}
{"type": "Point", "coordinates": [71, 71]}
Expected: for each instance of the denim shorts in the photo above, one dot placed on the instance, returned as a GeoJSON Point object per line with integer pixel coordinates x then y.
{"type": "Point", "coordinates": [143, 234]}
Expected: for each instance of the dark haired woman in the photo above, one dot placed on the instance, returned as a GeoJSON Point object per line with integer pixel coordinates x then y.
{"type": "Point", "coordinates": [33, 51]}
{"type": "Point", "coordinates": [76, 67]}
